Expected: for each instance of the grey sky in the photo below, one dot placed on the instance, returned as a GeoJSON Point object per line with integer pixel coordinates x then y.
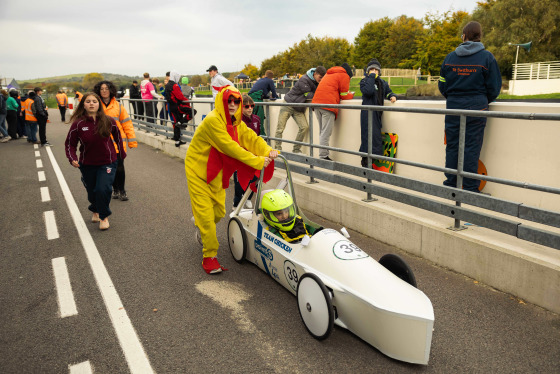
{"type": "Point", "coordinates": [49, 38]}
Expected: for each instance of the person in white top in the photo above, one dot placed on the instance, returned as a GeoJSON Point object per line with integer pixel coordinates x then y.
{"type": "Point", "coordinates": [218, 80]}
{"type": "Point", "coordinates": [149, 93]}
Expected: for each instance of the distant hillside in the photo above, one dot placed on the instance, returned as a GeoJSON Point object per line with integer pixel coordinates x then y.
{"type": "Point", "coordinates": [79, 78]}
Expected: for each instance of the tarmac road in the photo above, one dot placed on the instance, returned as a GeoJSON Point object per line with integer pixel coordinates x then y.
{"type": "Point", "coordinates": [173, 318]}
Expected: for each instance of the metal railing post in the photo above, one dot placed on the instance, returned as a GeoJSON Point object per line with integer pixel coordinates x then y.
{"type": "Point", "coordinates": [311, 178]}
{"type": "Point", "coordinates": [267, 123]}
{"type": "Point", "coordinates": [460, 166]}
{"type": "Point", "coordinates": [369, 197]}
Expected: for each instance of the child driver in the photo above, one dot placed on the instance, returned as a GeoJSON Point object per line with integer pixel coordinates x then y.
{"type": "Point", "coordinates": [280, 213]}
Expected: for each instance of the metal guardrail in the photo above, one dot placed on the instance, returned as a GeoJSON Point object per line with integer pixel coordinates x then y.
{"type": "Point", "coordinates": [360, 178]}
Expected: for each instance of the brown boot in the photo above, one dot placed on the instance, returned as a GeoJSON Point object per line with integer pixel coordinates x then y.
{"type": "Point", "coordinates": [104, 224]}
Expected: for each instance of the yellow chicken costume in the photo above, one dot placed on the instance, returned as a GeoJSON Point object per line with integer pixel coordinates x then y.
{"type": "Point", "coordinates": [218, 146]}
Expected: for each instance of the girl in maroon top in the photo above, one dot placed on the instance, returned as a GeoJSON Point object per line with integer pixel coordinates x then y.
{"type": "Point", "coordinates": [253, 122]}
{"type": "Point", "coordinates": [96, 132]}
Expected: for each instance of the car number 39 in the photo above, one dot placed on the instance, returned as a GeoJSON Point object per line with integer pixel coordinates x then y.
{"type": "Point", "coordinates": [346, 250]}
{"type": "Point", "coordinates": [291, 274]}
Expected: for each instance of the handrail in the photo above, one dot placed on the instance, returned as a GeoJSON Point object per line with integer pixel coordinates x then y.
{"type": "Point", "coordinates": [347, 175]}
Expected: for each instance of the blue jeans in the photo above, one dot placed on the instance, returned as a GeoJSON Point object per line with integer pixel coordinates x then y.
{"type": "Point", "coordinates": [31, 129]}
{"type": "Point", "coordinates": [98, 181]}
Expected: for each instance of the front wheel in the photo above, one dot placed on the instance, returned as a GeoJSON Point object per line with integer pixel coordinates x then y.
{"type": "Point", "coordinates": [315, 306]}
{"type": "Point", "coordinates": [237, 240]}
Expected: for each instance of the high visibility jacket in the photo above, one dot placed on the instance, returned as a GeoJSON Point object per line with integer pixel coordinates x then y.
{"type": "Point", "coordinates": [116, 111]}
{"type": "Point", "coordinates": [26, 106]}
{"type": "Point", "coordinates": [62, 99]}
{"type": "Point", "coordinates": [333, 87]}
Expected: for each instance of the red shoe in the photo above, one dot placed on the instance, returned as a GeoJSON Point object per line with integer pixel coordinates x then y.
{"type": "Point", "coordinates": [211, 265]}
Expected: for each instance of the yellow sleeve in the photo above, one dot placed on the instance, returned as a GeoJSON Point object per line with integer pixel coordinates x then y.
{"type": "Point", "coordinates": [217, 136]}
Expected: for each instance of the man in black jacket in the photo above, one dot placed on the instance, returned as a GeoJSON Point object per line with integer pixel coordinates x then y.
{"type": "Point", "coordinates": [39, 109]}
{"type": "Point", "coordinates": [304, 89]}
{"type": "Point", "coordinates": [135, 94]}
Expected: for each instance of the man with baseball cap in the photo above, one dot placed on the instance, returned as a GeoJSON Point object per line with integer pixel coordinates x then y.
{"type": "Point", "coordinates": [218, 80]}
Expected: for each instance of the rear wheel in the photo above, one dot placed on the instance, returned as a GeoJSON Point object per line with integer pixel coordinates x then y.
{"type": "Point", "coordinates": [315, 306]}
{"type": "Point", "coordinates": [237, 240]}
{"type": "Point", "coordinates": [399, 267]}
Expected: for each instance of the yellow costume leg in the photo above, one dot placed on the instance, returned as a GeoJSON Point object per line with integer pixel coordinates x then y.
{"type": "Point", "coordinates": [208, 207]}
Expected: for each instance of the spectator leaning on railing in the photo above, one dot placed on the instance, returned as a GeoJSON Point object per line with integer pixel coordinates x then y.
{"type": "Point", "coordinates": [261, 90]}
{"type": "Point", "coordinates": [304, 89]}
{"type": "Point", "coordinates": [469, 79]}
{"type": "Point", "coordinates": [374, 92]}
{"type": "Point", "coordinates": [334, 87]}
{"type": "Point", "coordinates": [148, 94]}
{"type": "Point", "coordinates": [217, 80]}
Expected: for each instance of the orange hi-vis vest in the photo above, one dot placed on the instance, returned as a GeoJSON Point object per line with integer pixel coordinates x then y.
{"type": "Point", "coordinates": [26, 106]}
{"type": "Point", "coordinates": [62, 99]}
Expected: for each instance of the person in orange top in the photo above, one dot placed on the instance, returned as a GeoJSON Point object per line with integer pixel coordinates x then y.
{"type": "Point", "coordinates": [62, 101]}
{"type": "Point", "coordinates": [108, 92]}
{"type": "Point", "coordinates": [30, 119]}
{"type": "Point", "coordinates": [333, 87]}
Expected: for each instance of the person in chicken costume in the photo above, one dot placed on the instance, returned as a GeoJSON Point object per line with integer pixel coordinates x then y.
{"type": "Point", "coordinates": [221, 145]}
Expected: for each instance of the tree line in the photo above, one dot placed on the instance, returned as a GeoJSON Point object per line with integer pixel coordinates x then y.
{"type": "Point", "coordinates": [409, 43]}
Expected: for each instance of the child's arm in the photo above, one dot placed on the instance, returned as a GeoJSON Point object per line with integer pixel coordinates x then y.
{"type": "Point", "coordinates": [389, 93]}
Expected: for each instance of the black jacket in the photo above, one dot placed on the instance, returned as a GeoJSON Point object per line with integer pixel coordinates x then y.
{"type": "Point", "coordinates": [297, 94]}
{"type": "Point", "coordinates": [39, 108]}
{"type": "Point", "coordinates": [135, 92]}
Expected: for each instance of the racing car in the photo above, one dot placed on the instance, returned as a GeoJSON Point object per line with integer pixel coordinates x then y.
{"type": "Point", "coordinates": [336, 283]}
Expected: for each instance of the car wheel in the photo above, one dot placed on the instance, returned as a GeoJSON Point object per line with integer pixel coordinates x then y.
{"type": "Point", "coordinates": [315, 306]}
{"type": "Point", "coordinates": [237, 240]}
{"type": "Point", "coordinates": [399, 267]}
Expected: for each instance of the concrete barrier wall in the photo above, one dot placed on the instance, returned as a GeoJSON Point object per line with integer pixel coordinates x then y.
{"type": "Point", "coordinates": [533, 86]}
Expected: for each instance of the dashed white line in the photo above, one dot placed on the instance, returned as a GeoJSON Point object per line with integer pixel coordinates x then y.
{"type": "Point", "coordinates": [39, 164]}
{"type": "Point", "coordinates": [81, 368]}
{"type": "Point", "coordinates": [42, 177]}
{"type": "Point", "coordinates": [45, 195]}
{"type": "Point", "coordinates": [36, 146]}
{"type": "Point", "coordinates": [133, 350]}
{"type": "Point", "coordinates": [66, 303]}
{"type": "Point", "coordinates": [50, 223]}
{"type": "Point", "coordinates": [37, 153]}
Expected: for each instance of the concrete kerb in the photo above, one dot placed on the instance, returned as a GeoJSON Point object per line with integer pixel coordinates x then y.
{"type": "Point", "coordinates": [528, 271]}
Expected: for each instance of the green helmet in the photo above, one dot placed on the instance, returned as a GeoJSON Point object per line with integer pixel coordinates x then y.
{"type": "Point", "coordinates": [279, 210]}
{"type": "Point", "coordinates": [185, 80]}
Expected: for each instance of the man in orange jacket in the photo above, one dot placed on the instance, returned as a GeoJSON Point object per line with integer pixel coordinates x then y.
{"type": "Point", "coordinates": [62, 101]}
{"type": "Point", "coordinates": [333, 87]}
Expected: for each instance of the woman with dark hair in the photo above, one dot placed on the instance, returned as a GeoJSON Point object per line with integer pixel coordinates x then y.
{"type": "Point", "coordinates": [108, 92]}
{"type": "Point", "coordinates": [93, 129]}
{"type": "Point", "coordinates": [469, 79]}
{"type": "Point", "coordinates": [11, 116]}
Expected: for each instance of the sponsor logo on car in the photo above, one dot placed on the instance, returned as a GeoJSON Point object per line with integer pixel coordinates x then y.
{"type": "Point", "coordinates": [265, 251]}
{"type": "Point", "coordinates": [273, 239]}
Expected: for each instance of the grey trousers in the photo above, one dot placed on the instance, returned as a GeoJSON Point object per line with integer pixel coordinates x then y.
{"type": "Point", "coordinates": [285, 113]}
{"type": "Point", "coordinates": [326, 124]}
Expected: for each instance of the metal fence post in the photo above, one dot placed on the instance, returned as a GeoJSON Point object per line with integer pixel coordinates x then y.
{"type": "Point", "coordinates": [311, 178]}
{"type": "Point", "coordinates": [460, 165]}
{"type": "Point", "coordinates": [369, 197]}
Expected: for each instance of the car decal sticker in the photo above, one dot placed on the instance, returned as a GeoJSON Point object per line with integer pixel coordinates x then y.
{"type": "Point", "coordinates": [264, 250]}
{"type": "Point", "coordinates": [291, 274]}
{"type": "Point", "coordinates": [346, 250]}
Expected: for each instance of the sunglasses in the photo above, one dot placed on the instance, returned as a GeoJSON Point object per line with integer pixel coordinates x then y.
{"type": "Point", "coordinates": [249, 106]}
{"type": "Point", "coordinates": [232, 100]}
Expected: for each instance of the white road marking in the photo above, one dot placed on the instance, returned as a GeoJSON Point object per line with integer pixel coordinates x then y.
{"type": "Point", "coordinates": [50, 223]}
{"type": "Point", "coordinates": [45, 195]}
{"type": "Point", "coordinates": [39, 164]}
{"type": "Point", "coordinates": [42, 177]}
{"type": "Point", "coordinates": [81, 368]}
{"type": "Point", "coordinates": [66, 303]}
{"type": "Point", "coordinates": [37, 153]}
{"type": "Point", "coordinates": [36, 146]}
{"type": "Point", "coordinates": [133, 350]}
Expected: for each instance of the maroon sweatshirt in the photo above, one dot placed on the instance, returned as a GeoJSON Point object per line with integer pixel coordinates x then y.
{"type": "Point", "coordinates": [94, 149]}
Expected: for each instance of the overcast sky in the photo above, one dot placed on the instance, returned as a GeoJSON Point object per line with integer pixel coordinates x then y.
{"type": "Point", "coordinates": [49, 38]}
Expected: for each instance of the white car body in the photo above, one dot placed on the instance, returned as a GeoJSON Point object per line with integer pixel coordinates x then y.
{"type": "Point", "coordinates": [368, 299]}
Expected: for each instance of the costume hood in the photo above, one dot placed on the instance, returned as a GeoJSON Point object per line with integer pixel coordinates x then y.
{"type": "Point", "coordinates": [469, 48]}
{"type": "Point", "coordinates": [221, 104]}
